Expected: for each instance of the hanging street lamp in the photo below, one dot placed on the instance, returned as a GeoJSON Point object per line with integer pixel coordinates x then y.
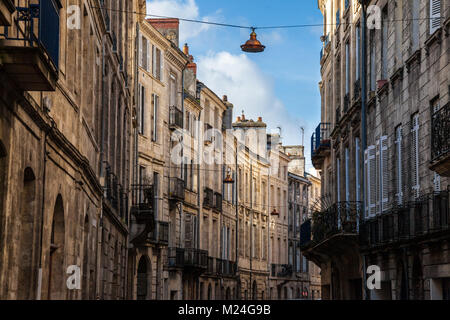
{"type": "Point", "coordinates": [253, 45]}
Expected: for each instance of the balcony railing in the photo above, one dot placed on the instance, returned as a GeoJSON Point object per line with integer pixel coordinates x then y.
{"type": "Point", "coordinates": [160, 234]}
{"type": "Point", "coordinates": [175, 118]}
{"type": "Point", "coordinates": [116, 195]}
{"type": "Point", "coordinates": [176, 189]}
{"type": "Point", "coordinates": [208, 200]}
{"type": "Point", "coordinates": [357, 89]}
{"type": "Point", "coordinates": [427, 216]}
{"type": "Point", "coordinates": [341, 217]}
{"type": "Point", "coordinates": [281, 270]}
{"type": "Point", "coordinates": [143, 203]}
{"type": "Point", "coordinates": [320, 143]}
{"type": "Point", "coordinates": [188, 258]}
{"type": "Point", "coordinates": [30, 46]}
{"type": "Point", "coordinates": [225, 267]}
{"type": "Point", "coordinates": [440, 140]}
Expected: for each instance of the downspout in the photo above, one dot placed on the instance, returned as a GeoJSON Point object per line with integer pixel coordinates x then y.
{"type": "Point", "coordinates": [363, 122]}
{"type": "Point", "coordinates": [251, 228]}
{"type": "Point", "coordinates": [44, 173]}
{"type": "Point", "coordinates": [236, 193]}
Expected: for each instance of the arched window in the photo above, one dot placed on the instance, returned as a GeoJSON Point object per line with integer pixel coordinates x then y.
{"type": "Point", "coordinates": [56, 271]}
{"type": "Point", "coordinates": [143, 291]}
{"type": "Point", "coordinates": [26, 224]}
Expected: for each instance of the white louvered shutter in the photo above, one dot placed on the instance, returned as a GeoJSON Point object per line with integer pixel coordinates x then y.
{"type": "Point", "coordinates": [435, 15]}
{"type": "Point", "coordinates": [415, 156]}
{"type": "Point", "coordinates": [372, 169]}
{"type": "Point", "coordinates": [399, 167]}
{"type": "Point", "coordinates": [384, 173]}
{"type": "Point", "coordinates": [378, 177]}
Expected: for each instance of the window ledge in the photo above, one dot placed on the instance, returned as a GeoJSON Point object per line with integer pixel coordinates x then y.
{"type": "Point", "coordinates": [415, 57]}
{"type": "Point", "coordinates": [435, 37]}
{"type": "Point", "coordinates": [398, 75]}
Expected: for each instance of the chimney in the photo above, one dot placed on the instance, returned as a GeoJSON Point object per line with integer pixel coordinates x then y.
{"type": "Point", "coordinates": [186, 49]}
{"type": "Point", "coordinates": [259, 119]}
{"type": "Point", "coordinates": [168, 27]}
{"type": "Point", "coordinates": [238, 119]}
{"type": "Point", "coordinates": [225, 98]}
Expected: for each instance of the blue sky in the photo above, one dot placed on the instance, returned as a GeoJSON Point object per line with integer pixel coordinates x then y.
{"type": "Point", "coordinates": [281, 84]}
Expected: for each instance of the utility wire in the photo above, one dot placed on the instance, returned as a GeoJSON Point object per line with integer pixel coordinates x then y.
{"type": "Point", "coordinates": [255, 27]}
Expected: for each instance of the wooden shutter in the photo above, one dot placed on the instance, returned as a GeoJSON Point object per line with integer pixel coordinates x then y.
{"type": "Point", "coordinates": [415, 156]}
{"type": "Point", "coordinates": [161, 67]}
{"type": "Point", "coordinates": [154, 61]}
{"type": "Point", "coordinates": [188, 230]}
{"type": "Point", "coordinates": [147, 57]}
{"type": "Point", "coordinates": [155, 117]}
{"type": "Point", "coordinates": [399, 166]}
{"type": "Point", "coordinates": [338, 179]}
{"type": "Point", "coordinates": [370, 163]}
{"type": "Point", "coordinates": [435, 15]}
{"type": "Point", "coordinates": [384, 173]}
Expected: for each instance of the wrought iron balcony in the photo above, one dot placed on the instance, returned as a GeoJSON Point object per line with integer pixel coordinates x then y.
{"type": "Point", "coordinates": [357, 90]}
{"type": "Point", "coordinates": [320, 144]}
{"type": "Point", "coordinates": [143, 203]}
{"type": "Point", "coordinates": [30, 46]}
{"type": "Point", "coordinates": [176, 189]}
{"type": "Point", "coordinates": [175, 118]}
{"type": "Point", "coordinates": [160, 234]}
{"type": "Point", "coordinates": [208, 200]}
{"type": "Point", "coordinates": [440, 141]}
{"type": "Point", "coordinates": [281, 270]}
{"type": "Point", "coordinates": [427, 217]}
{"type": "Point", "coordinates": [339, 218]}
{"type": "Point", "coordinates": [188, 258]}
{"type": "Point", "coordinates": [6, 10]}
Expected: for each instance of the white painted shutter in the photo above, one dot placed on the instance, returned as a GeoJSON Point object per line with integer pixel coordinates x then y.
{"type": "Point", "coordinates": [378, 177]}
{"type": "Point", "coordinates": [367, 184]}
{"type": "Point", "coordinates": [399, 171]}
{"type": "Point", "coordinates": [338, 179]}
{"type": "Point", "coordinates": [415, 156]}
{"type": "Point", "coordinates": [435, 15]}
{"type": "Point", "coordinates": [155, 117]}
{"type": "Point", "coordinates": [384, 173]}
{"type": "Point", "coordinates": [371, 180]}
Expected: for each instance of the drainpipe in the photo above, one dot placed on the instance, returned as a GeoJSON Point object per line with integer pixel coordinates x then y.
{"type": "Point", "coordinates": [363, 120]}
{"type": "Point", "coordinates": [44, 173]}
{"type": "Point", "coordinates": [251, 229]}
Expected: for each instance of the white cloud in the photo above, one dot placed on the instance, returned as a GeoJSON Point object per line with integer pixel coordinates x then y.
{"type": "Point", "coordinates": [186, 9]}
{"type": "Point", "coordinates": [249, 89]}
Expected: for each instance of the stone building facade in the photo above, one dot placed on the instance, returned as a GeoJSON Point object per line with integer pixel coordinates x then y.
{"type": "Point", "coordinates": [400, 222]}
{"type": "Point", "coordinates": [65, 134]}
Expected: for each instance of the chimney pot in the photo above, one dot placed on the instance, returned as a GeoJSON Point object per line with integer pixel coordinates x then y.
{"type": "Point", "coordinates": [259, 119]}
{"type": "Point", "coordinates": [225, 98]}
{"type": "Point", "coordinates": [238, 119]}
{"type": "Point", "coordinates": [186, 49]}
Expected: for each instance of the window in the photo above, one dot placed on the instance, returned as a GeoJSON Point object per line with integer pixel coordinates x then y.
{"type": "Point", "coordinates": [398, 164]}
{"type": "Point", "coordinates": [156, 188]}
{"type": "Point", "coordinates": [384, 173]}
{"type": "Point", "coordinates": [372, 61]}
{"type": "Point", "coordinates": [415, 155]}
{"type": "Point", "coordinates": [155, 102]}
{"type": "Point", "coordinates": [370, 181]}
{"type": "Point", "coordinates": [144, 53]}
{"type": "Point", "coordinates": [338, 179]}
{"type": "Point", "coordinates": [435, 15]}
{"type": "Point", "coordinates": [347, 178]}
{"type": "Point", "coordinates": [357, 169]}
{"type": "Point", "coordinates": [157, 63]}
{"type": "Point", "coordinates": [415, 25]}
{"type": "Point", "coordinates": [384, 44]}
